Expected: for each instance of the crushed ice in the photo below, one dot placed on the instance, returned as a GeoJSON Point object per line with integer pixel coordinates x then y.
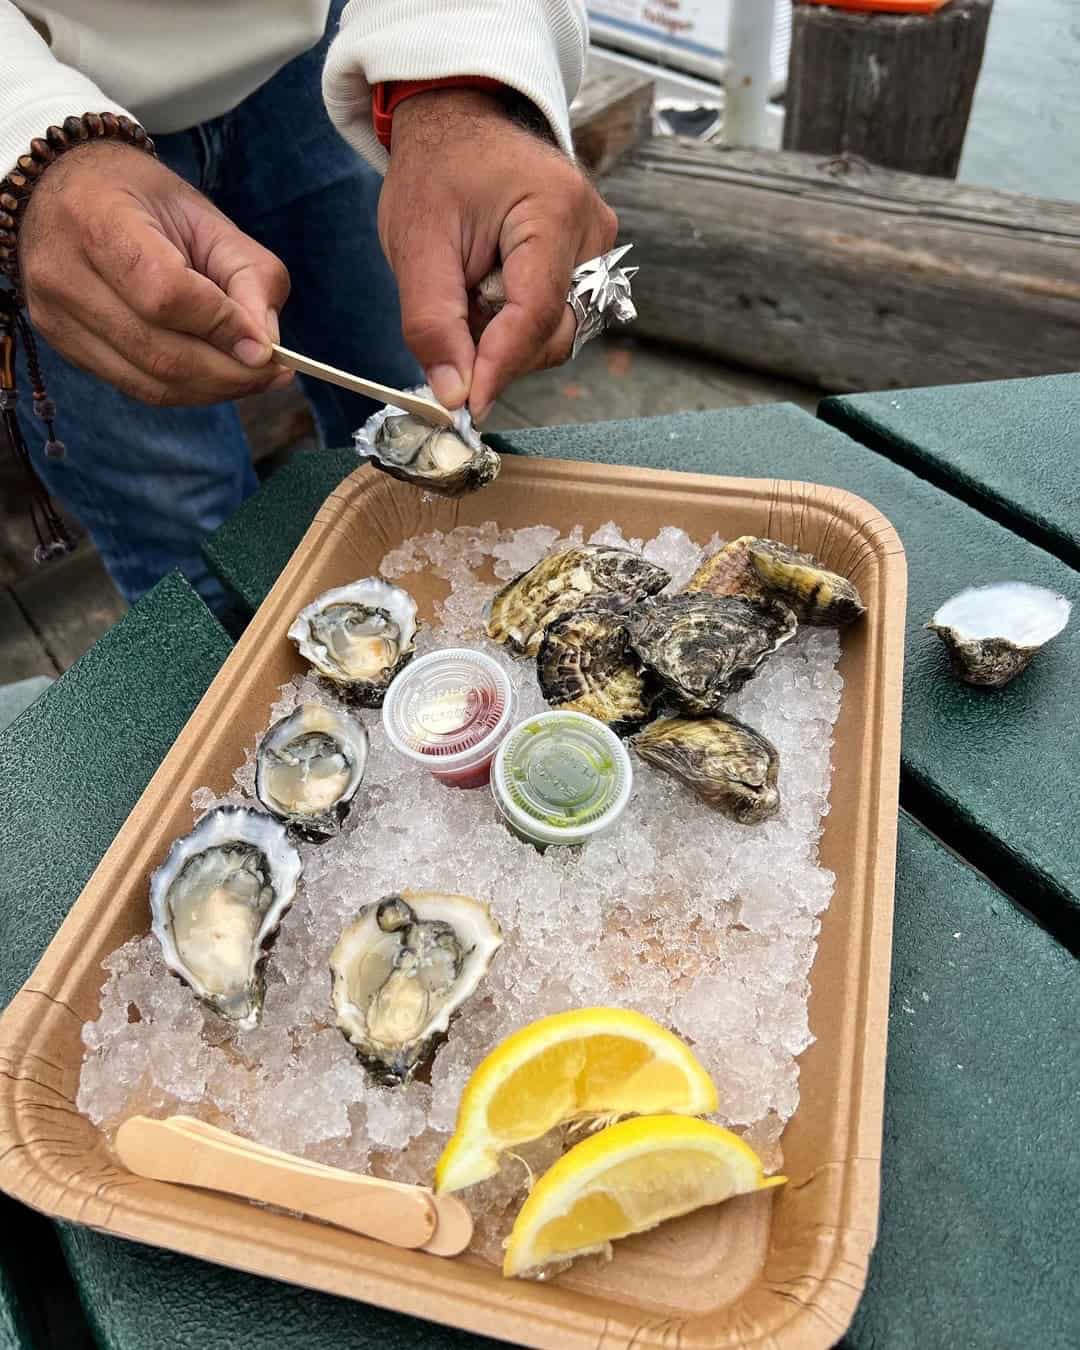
{"type": "Point", "coordinates": [708, 926]}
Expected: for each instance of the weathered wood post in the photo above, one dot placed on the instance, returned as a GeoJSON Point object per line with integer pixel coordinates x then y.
{"type": "Point", "coordinates": [893, 89]}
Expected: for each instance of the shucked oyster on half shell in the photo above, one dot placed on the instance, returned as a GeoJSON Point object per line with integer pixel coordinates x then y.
{"type": "Point", "coordinates": [308, 768]}
{"type": "Point", "coordinates": [358, 637]}
{"type": "Point", "coordinates": [217, 900]}
{"type": "Point", "coordinates": [586, 664]}
{"type": "Point", "coordinates": [992, 632]}
{"type": "Point", "coordinates": [728, 764]}
{"type": "Point", "coordinates": [449, 462]}
{"type": "Point", "coordinates": [402, 969]}
{"type": "Point", "coordinates": [566, 581]}
{"type": "Point", "coordinates": [704, 647]}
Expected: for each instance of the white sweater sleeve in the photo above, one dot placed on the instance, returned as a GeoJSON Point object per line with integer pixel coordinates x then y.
{"type": "Point", "coordinates": [534, 46]}
{"type": "Point", "coordinates": [36, 90]}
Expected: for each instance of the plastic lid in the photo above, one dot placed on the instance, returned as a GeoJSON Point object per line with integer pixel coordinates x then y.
{"type": "Point", "coordinates": [448, 708]}
{"type": "Point", "coordinates": [562, 776]}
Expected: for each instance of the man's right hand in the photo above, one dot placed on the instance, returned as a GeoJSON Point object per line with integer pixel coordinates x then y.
{"type": "Point", "coordinates": [134, 276]}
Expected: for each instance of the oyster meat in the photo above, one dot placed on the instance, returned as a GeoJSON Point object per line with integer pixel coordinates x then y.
{"type": "Point", "coordinates": [728, 764]}
{"type": "Point", "coordinates": [449, 462]}
{"type": "Point", "coordinates": [358, 637]}
{"type": "Point", "coordinates": [730, 571]}
{"type": "Point", "coordinates": [992, 632]}
{"type": "Point", "coordinates": [401, 970]}
{"type": "Point", "coordinates": [819, 597]}
{"type": "Point", "coordinates": [586, 664]}
{"type": "Point", "coordinates": [704, 647]}
{"type": "Point", "coordinates": [578, 577]}
{"type": "Point", "coordinates": [308, 767]}
{"type": "Point", "coordinates": [216, 901]}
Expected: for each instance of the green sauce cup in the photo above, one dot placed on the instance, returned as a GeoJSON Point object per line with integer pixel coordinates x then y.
{"type": "Point", "coordinates": [561, 778]}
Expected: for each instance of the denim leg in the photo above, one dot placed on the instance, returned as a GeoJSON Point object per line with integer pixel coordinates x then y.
{"type": "Point", "coordinates": [148, 484]}
{"type": "Point", "coordinates": [296, 186]}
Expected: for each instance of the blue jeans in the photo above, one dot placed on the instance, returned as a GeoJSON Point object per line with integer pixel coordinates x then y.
{"type": "Point", "coordinates": [149, 484]}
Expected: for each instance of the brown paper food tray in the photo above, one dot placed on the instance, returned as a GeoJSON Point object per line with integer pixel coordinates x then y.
{"type": "Point", "coordinates": [782, 1268]}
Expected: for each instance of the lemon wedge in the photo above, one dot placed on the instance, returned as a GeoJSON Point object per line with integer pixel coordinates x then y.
{"type": "Point", "coordinates": [627, 1179]}
{"type": "Point", "coordinates": [588, 1062]}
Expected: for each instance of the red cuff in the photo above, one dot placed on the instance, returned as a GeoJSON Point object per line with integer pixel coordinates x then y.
{"type": "Point", "coordinates": [386, 97]}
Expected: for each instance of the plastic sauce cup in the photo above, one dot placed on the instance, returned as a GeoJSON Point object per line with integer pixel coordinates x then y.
{"type": "Point", "coordinates": [561, 778]}
{"type": "Point", "coordinates": [448, 711]}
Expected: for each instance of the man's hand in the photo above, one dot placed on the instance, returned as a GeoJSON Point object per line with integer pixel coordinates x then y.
{"type": "Point", "coordinates": [468, 188]}
{"type": "Point", "coordinates": [134, 276]}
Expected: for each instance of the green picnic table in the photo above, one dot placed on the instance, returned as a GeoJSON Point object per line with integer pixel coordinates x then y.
{"type": "Point", "coordinates": [981, 1183]}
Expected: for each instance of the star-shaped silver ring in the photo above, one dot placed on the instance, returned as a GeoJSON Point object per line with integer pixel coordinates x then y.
{"type": "Point", "coordinates": [600, 292]}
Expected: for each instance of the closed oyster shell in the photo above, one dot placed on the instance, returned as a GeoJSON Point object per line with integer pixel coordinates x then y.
{"type": "Point", "coordinates": [992, 632]}
{"type": "Point", "coordinates": [704, 647]}
{"type": "Point", "coordinates": [448, 462]}
{"type": "Point", "coordinates": [819, 597]}
{"type": "Point", "coordinates": [217, 900]}
{"type": "Point", "coordinates": [402, 969]}
{"type": "Point", "coordinates": [729, 571]}
{"type": "Point", "coordinates": [586, 664]}
{"type": "Point", "coordinates": [308, 768]}
{"type": "Point", "coordinates": [728, 764]}
{"type": "Point", "coordinates": [358, 637]}
{"type": "Point", "coordinates": [566, 581]}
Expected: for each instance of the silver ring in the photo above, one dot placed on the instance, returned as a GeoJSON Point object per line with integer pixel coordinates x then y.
{"type": "Point", "coordinates": [600, 292]}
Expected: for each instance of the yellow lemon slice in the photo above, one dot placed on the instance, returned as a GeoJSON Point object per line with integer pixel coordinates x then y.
{"type": "Point", "coordinates": [589, 1062]}
{"type": "Point", "coordinates": [627, 1179]}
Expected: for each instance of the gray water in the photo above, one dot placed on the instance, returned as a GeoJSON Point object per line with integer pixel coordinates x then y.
{"type": "Point", "coordinates": [1024, 133]}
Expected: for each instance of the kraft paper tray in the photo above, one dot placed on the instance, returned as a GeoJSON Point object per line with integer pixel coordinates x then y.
{"type": "Point", "coordinates": [779, 1269]}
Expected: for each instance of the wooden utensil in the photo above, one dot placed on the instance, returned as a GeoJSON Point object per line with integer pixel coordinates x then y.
{"type": "Point", "coordinates": [425, 408]}
{"type": "Point", "coordinates": [455, 1222]}
{"type": "Point", "coordinates": [401, 1215]}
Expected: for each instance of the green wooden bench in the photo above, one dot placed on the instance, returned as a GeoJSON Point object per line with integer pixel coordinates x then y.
{"type": "Point", "coordinates": [1011, 448]}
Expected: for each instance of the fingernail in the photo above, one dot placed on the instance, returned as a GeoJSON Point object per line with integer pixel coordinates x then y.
{"type": "Point", "coordinates": [482, 414]}
{"type": "Point", "coordinates": [252, 353]}
{"type": "Point", "coordinates": [448, 386]}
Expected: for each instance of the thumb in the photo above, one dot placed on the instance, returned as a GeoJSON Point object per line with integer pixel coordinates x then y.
{"type": "Point", "coordinates": [435, 313]}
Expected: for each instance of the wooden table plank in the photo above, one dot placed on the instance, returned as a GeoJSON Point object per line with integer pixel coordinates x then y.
{"type": "Point", "coordinates": [22, 653]}
{"type": "Point", "coordinates": [71, 603]}
{"type": "Point", "coordinates": [1010, 447]}
{"type": "Point", "coordinates": [993, 771]}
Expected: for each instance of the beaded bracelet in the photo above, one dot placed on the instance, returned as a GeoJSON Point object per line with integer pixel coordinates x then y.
{"type": "Point", "coordinates": [16, 188]}
{"type": "Point", "coordinates": [52, 534]}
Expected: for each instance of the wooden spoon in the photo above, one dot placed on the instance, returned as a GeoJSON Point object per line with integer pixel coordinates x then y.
{"type": "Point", "coordinates": [455, 1223]}
{"type": "Point", "coordinates": [401, 1215]}
{"type": "Point", "coordinates": [425, 408]}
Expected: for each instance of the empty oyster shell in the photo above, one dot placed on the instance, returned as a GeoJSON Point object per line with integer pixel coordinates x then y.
{"type": "Point", "coordinates": [308, 767]}
{"type": "Point", "coordinates": [216, 901]}
{"type": "Point", "coordinates": [563, 582]}
{"type": "Point", "coordinates": [585, 664]}
{"type": "Point", "coordinates": [704, 647]}
{"type": "Point", "coordinates": [358, 636]}
{"type": "Point", "coordinates": [729, 571]}
{"type": "Point", "coordinates": [818, 597]}
{"type": "Point", "coordinates": [402, 969]}
{"type": "Point", "coordinates": [992, 632]}
{"type": "Point", "coordinates": [450, 463]}
{"type": "Point", "coordinates": [728, 764]}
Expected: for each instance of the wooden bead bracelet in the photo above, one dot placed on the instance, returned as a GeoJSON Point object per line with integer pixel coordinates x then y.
{"type": "Point", "coordinates": [16, 188]}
